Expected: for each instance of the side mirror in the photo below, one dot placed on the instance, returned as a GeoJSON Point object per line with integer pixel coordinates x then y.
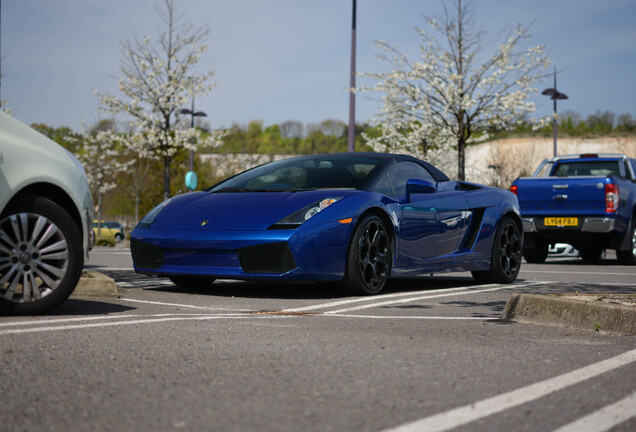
{"type": "Point", "coordinates": [418, 186]}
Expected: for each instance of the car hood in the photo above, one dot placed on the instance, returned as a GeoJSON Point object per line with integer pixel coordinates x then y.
{"type": "Point", "coordinates": [235, 210]}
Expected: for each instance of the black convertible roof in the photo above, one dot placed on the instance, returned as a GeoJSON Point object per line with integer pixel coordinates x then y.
{"type": "Point", "coordinates": [437, 174]}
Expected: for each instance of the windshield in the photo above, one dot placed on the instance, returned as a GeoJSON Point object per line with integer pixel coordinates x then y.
{"type": "Point", "coordinates": [586, 168]}
{"type": "Point", "coordinates": [304, 173]}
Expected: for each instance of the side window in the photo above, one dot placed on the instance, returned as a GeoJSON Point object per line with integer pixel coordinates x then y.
{"type": "Point", "coordinates": [629, 174]}
{"type": "Point", "coordinates": [383, 186]}
{"type": "Point", "coordinates": [543, 170]}
{"type": "Point", "coordinates": [403, 171]}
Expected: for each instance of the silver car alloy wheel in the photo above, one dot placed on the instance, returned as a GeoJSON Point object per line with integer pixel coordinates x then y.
{"type": "Point", "coordinates": [34, 257]}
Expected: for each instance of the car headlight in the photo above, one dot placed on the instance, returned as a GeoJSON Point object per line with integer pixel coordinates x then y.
{"type": "Point", "coordinates": [299, 217]}
{"type": "Point", "coordinates": [150, 217]}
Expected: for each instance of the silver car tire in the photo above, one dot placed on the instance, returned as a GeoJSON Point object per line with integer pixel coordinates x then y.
{"type": "Point", "coordinates": [41, 256]}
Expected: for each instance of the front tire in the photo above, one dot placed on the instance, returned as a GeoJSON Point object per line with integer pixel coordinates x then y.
{"type": "Point", "coordinates": [370, 257]}
{"type": "Point", "coordinates": [196, 282]}
{"type": "Point", "coordinates": [628, 257]}
{"type": "Point", "coordinates": [41, 256]}
{"type": "Point", "coordinates": [506, 255]}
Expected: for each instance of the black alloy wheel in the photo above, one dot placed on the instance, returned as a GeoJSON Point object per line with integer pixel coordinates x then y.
{"type": "Point", "coordinates": [506, 254]}
{"type": "Point", "coordinates": [370, 257]}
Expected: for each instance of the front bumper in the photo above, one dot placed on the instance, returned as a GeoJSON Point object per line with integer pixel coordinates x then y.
{"type": "Point", "coordinates": [312, 254]}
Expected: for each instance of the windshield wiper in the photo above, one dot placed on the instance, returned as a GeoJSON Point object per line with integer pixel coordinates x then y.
{"type": "Point", "coordinates": [231, 189]}
{"type": "Point", "coordinates": [273, 190]}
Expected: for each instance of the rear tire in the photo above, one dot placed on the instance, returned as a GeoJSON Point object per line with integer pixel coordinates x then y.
{"type": "Point", "coordinates": [538, 253]}
{"type": "Point", "coordinates": [370, 257]}
{"type": "Point", "coordinates": [196, 282]}
{"type": "Point", "coordinates": [591, 253]}
{"type": "Point", "coordinates": [41, 256]}
{"type": "Point", "coordinates": [628, 257]}
{"type": "Point", "coordinates": [506, 254]}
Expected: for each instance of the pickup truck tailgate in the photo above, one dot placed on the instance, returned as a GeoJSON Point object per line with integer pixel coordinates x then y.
{"type": "Point", "coordinates": [574, 196]}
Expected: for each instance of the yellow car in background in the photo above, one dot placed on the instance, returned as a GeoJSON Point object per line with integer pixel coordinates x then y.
{"type": "Point", "coordinates": [109, 229]}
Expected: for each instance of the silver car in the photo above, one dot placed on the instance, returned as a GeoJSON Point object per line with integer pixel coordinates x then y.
{"type": "Point", "coordinates": [45, 220]}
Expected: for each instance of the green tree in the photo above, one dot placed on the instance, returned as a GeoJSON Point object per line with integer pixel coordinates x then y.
{"type": "Point", "coordinates": [64, 136]}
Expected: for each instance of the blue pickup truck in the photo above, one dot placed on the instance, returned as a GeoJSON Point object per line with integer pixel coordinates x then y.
{"type": "Point", "coordinates": [587, 200]}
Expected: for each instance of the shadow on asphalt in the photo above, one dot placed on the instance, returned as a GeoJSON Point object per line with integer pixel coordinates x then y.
{"type": "Point", "coordinates": [128, 280]}
{"type": "Point", "coordinates": [280, 289]}
{"type": "Point", "coordinates": [89, 307]}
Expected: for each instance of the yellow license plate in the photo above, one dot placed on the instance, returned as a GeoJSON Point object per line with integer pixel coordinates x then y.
{"type": "Point", "coordinates": [561, 221]}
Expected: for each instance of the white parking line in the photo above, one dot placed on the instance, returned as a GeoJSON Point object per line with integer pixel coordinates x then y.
{"type": "Point", "coordinates": [368, 299]}
{"type": "Point", "coordinates": [425, 297]}
{"type": "Point", "coordinates": [60, 320]}
{"type": "Point", "coordinates": [606, 418]}
{"type": "Point", "coordinates": [114, 268]}
{"type": "Point", "coordinates": [417, 317]}
{"type": "Point", "coordinates": [184, 305]}
{"type": "Point", "coordinates": [159, 318]}
{"type": "Point", "coordinates": [577, 273]}
{"type": "Point", "coordinates": [487, 407]}
{"type": "Point", "coordinates": [407, 294]}
{"type": "Point", "coordinates": [144, 283]}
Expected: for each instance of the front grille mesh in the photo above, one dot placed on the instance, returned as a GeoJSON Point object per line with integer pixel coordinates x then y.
{"type": "Point", "coordinates": [270, 258]}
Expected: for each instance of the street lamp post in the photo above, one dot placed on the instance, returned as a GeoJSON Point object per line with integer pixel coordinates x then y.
{"type": "Point", "coordinates": [554, 95]}
{"type": "Point", "coordinates": [351, 143]}
{"type": "Point", "coordinates": [192, 114]}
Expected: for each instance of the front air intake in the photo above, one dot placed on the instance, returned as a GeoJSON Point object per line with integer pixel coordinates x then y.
{"type": "Point", "coordinates": [145, 255]}
{"type": "Point", "coordinates": [270, 258]}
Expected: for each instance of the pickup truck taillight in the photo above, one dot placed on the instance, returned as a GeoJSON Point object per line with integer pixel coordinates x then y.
{"type": "Point", "coordinates": [611, 197]}
{"type": "Point", "coordinates": [513, 189]}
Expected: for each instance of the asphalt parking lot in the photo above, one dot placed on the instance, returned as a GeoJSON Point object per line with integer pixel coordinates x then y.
{"type": "Point", "coordinates": [428, 354]}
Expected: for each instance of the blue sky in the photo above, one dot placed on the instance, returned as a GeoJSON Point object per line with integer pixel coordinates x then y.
{"type": "Point", "coordinates": [279, 60]}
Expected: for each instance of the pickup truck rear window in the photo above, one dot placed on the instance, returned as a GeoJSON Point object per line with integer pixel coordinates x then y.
{"type": "Point", "coordinates": [586, 168]}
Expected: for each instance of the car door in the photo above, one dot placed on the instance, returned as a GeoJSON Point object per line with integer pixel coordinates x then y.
{"type": "Point", "coordinates": [431, 224]}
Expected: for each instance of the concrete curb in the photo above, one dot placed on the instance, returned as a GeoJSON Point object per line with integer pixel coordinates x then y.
{"type": "Point", "coordinates": [567, 311]}
{"type": "Point", "coordinates": [94, 284]}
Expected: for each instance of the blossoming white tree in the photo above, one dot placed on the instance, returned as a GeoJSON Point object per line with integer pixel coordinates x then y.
{"type": "Point", "coordinates": [101, 160]}
{"type": "Point", "coordinates": [157, 80]}
{"type": "Point", "coordinates": [453, 93]}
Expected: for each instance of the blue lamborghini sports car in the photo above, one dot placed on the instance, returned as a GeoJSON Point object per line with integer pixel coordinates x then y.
{"type": "Point", "coordinates": [358, 218]}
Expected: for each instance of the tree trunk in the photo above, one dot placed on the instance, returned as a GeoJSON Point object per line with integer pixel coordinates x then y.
{"type": "Point", "coordinates": [461, 159]}
{"type": "Point", "coordinates": [136, 206]}
{"type": "Point", "coordinates": [166, 177]}
{"type": "Point", "coordinates": [99, 221]}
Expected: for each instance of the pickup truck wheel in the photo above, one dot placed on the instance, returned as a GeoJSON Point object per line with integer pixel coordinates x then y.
{"type": "Point", "coordinates": [537, 254]}
{"type": "Point", "coordinates": [628, 257]}
{"type": "Point", "coordinates": [591, 253]}
{"type": "Point", "coordinates": [506, 255]}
